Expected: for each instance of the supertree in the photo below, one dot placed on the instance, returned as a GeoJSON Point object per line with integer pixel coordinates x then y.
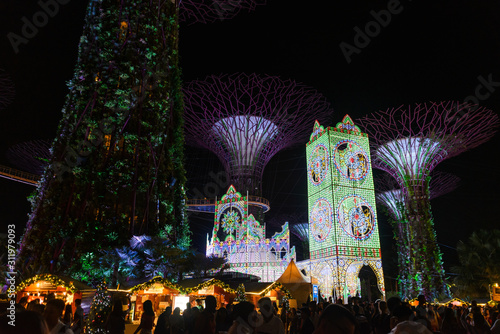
{"type": "Point", "coordinates": [208, 11]}
{"type": "Point", "coordinates": [31, 156]}
{"type": "Point", "coordinates": [7, 90]}
{"type": "Point", "coordinates": [409, 143]}
{"type": "Point", "coordinates": [393, 199]}
{"type": "Point", "coordinates": [246, 119]}
{"type": "Point", "coordinates": [301, 231]}
{"type": "Point", "coordinates": [116, 166]}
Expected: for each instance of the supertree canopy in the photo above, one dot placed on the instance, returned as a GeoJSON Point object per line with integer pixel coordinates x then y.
{"type": "Point", "coordinates": [208, 11]}
{"type": "Point", "coordinates": [31, 156]}
{"type": "Point", "coordinates": [393, 198]}
{"type": "Point", "coordinates": [116, 167]}
{"type": "Point", "coordinates": [246, 119]}
{"type": "Point", "coordinates": [409, 143]}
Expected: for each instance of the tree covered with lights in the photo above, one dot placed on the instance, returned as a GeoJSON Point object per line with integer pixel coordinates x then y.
{"type": "Point", "coordinates": [393, 199]}
{"type": "Point", "coordinates": [240, 294]}
{"type": "Point", "coordinates": [99, 311]}
{"type": "Point", "coordinates": [116, 166]}
{"type": "Point", "coordinates": [408, 143]}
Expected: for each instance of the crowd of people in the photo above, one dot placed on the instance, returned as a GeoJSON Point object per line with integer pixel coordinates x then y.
{"type": "Point", "coordinates": [53, 317]}
{"type": "Point", "coordinates": [354, 317]}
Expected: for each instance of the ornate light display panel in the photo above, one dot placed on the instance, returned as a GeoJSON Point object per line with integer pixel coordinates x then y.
{"type": "Point", "coordinates": [240, 238]}
{"type": "Point", "coordinates": [343, 222]}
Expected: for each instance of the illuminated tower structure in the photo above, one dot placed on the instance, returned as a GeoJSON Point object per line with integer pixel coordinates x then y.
{"type": "Point", "coordinates": [393, 198]}
{"type": "Point", "coordinates": [343, 230]}
{"type": "Point", "coordinates": [409, 143]}
{"type": "Point", "coordinates": [116, 167]}
{"type": "Point", "coordinates": [238, 237]}
{"type": "Point", "coordinates": [246, 119]}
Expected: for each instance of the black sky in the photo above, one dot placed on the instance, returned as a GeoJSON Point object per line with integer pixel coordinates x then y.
{"type": "Point", "coordinates": [430, 51]}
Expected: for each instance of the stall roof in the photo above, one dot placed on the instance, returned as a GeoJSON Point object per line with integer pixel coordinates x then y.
{"type": "Point", "coordinates": [292, 274]}
{"type": "Point", "coordinates": [53, 279]}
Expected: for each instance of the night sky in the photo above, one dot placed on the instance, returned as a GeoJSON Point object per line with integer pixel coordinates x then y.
{"type": "Point", "coordinates": [429, 51]}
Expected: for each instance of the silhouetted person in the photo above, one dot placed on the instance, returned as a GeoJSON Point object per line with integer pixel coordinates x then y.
{"type": "Point", "coordinates": [116, 322]}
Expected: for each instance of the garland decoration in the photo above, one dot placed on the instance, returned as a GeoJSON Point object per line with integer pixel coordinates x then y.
{"type": "Point", "coordinates": [170, 285]}
{"type": "Point", "coordinates": [277, 285]}
{"type": "Point", "coordinates": [157, 280]}
{"type": "Point", "coordinates": [49, 278]}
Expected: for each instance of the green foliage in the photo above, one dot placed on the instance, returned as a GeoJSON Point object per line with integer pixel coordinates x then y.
{"type": "Point", "coordinates": [479, 264]}
{"type": "Point", "coordinates": [119, 145]}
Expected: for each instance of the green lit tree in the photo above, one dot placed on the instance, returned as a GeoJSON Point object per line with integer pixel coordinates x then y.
{"type": "Point", "coordinates": [116, 167]}
{"type": "Point", "coordinates": [99, 311]}
{"type": "Point", "coordinates": [479, 264]}
{"type": "Point", "coordinates": [240, 294]}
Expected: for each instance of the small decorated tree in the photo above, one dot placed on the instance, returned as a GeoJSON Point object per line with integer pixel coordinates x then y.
{"type": "Point", "coordinates": [240, 294]}
{"type": "Point", "coordinates": [99, 310]}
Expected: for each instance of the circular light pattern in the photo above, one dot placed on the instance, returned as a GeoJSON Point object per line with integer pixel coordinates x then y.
{"type": "Point", "coordinates": [318, 164]}
{"type": "Point", "coordinates": [230, 221]}
{"type": "Point", "coordinates": [351, 160]}
{"type": "Point", "coordinates": [356, 217]}
{"type": "Point", "coordinates": [321, 219]}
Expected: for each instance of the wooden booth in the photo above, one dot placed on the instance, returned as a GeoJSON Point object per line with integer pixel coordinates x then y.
{"type": "Point", "coordinates": [65, 288]}
{"type": "Point", "coordinates": [161, 292]}
{"type": "Point", "coordinates": [201, 288]}
{"type": "Point", "coordinates": [275, 291]}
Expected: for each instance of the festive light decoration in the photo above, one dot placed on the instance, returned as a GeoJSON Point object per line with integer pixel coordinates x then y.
{"type": "Point", "coordinates": [56, 281]}
{"type": "Point", "coordinates": [240, 293]}
{"type": "Point", "coordinates": [342, 213]}
{"type": "Point", "coordinates": [207, 11]}
{"type": "Point", "coordinates": [182, 290]}
{"type": "Point", "coordinates": [394, 200]}
{"type": "Point", "coordinates": [277, 286]}
{"type": "Point", "coordinates": [408, 144]}
{"type": "Point", "coordinates": [31, 156]}
{"type": "Point", "coordinates": [99, 310]}
{"type": "Point", "coordinates": [239, 237]}
{"type": "Point", "coordinates": [246, 119]}
{"type": "Point", "coordinates": [119, 145]}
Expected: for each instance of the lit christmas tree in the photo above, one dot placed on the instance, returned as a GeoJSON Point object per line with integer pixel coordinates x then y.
{"type": "Point", "coordinates": [99, 310]}
{"type": "Point", "coordinates": [240, 294]}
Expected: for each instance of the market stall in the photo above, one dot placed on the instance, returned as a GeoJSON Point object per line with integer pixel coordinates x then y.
{"type": "Point", "coordinates": [61, 287]}
{"type": "Point", "coordinates": [161, 292]}
{"type": "Point", "coordinates": [201, 288]}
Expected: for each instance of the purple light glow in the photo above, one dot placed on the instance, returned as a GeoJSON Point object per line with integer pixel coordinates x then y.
{"type": "Point", "coordinates": [246, 119]}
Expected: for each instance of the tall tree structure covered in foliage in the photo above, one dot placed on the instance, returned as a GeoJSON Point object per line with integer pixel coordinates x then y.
{"type": "Point", "coordinates": [116, 167]}
{"type": "Point", "coordinates": [409, 143]}
{"type": "Point", "coordinates": [393, 198]}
